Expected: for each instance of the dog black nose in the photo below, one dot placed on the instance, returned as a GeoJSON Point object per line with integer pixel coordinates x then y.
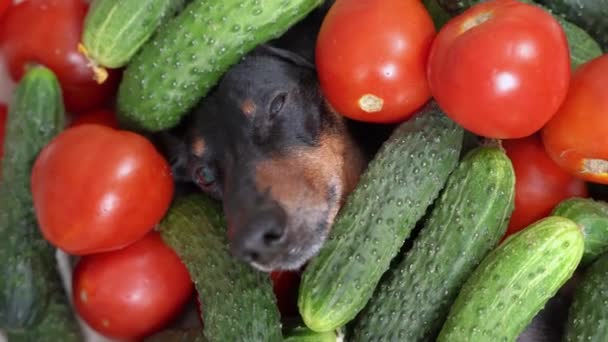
{"type": "Point", "coordinates": [261, 235]}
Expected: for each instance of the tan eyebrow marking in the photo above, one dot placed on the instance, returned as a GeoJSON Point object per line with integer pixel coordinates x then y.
{"type": "Point", "coordinates": [198, 147]}
{"type": "Point", "coordinates": [248, 106]}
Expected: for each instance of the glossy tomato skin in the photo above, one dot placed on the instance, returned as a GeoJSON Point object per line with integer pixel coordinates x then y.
{"type": "Point", "coordinates": [132, 292]}
{"type": "Point", "coordinates": [540, 184]}
{"type": "Point", "coordinates": [103, 117]}
{"type": "Point", "coordinates": [504, 77]}
{"type": "Point", "coordinates": [48, 32]}
{"type": "Point", "coordinates": [97, 189]}
{"type": "Point", "coordinates": [4, 5]}
{"type": "Point", "coordinates": [576, 136]}
{"type": "Point", "coordinates": [371, 50]}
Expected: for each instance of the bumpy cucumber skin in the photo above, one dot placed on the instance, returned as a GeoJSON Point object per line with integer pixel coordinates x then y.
{"type": "Point", "coordinates": [239, 303]}
{"type": "Point", "coordinates": [36, 115]}
{"type": "Point", "coordinates": [592, 218]}
{"type": "Point", "coordinates": [514, 282]}
{"type": "Point", "coordinates": [466, 223]}
{"type": "Point", "coordinates": [185, 335]}
{"type": "Point", "coordinates": [114, 30]}
{"type": "Point", "coordinates": [303, 334]}
{"type": "Point", "coordinates": [591, 15]}
{"type": "Point", "coordinates": [588, 315]}
{"type": "Point", "coordinates": [189, 54]}
{"type": "Point", "coordinates": [398, 186]}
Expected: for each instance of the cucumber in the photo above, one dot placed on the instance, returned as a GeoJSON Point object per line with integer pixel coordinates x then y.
{"type": "Point", "coordinates": [398, 186]}
{"type": "Point", "coordinates": [439, 15]}
{"type": "Point", "coordinates": [114, 30]}
{"type": "Point", "coordinates": [591, 15]}
{"type": "Point", "coordinates": [588, 314]}
{"type": "Point", "coordinates": [189, 54]}
{"type": "Point", "coordinates": [303, 334]}
{"type": "Point", "coordinates": [178, 335]}
{"type": "Point", "coordinates": [35, 116]}
{"type": "Point", "coordinates": [514, 281]}
{"type": "Point", "coordinates": [239, 302]}
{"type": "Point", "coordinates": [583, 47]}
{"type": "Point", "coordinates": [467, 222]}
{"type": "Point", "coordinates": [592, 217]}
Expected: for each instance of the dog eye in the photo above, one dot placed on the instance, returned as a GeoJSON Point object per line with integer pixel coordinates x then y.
{"type": "Point", "coordinates": [205, 176]}
{"type": "Point", "coordinates": [277, 103]}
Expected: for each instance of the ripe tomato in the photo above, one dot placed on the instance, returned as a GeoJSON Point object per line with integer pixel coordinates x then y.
{"type": "Point", "coordinates": [132, 292]}
{"type": "Point", "coordinates": [101, 117]}
{"type": "Point", "coordinates": [285, 285]}
{"type": "Point", "coordinates": [4, 4]}
{"type": "Point", "coordinates": [540, 184]}
{"type": "Point", "coordinates": [576, 136]}
{"type": "Point", "coordinates": [97, 189]}
{"type": "Point", "coordinates": [501, 69]}
{"type": "Point", "coordinates": [371, 58]}
{"type": "Point", "coordinates": [48, 32]}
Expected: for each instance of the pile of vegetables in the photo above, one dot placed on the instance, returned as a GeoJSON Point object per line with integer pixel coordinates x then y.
{"type": "Point", "coordinates": [485, 201]}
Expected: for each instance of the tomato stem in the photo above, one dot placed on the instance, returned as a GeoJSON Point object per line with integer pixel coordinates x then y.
{"type": "Point", "coordinates": [100, 74]}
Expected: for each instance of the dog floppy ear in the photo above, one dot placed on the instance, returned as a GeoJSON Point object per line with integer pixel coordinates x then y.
{"type": "Point", "coordinates": [286, 55]}
{"type": "Point", "coordinates": [175, 151]}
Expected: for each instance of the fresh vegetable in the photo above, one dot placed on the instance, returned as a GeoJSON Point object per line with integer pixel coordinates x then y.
{"type": "Point", "coordinates": [438, 14]}
{"type": "Point", "coordinates": [303, 334]}
{"type": "Point", "coordinates": [115, 30]}
{"type": "Point", "coordinates": [35, 116]}
{"type": "Point", "coordinates": [513, 282]}
{"type": "Point", "coordinates": [132, 292]}
{"type": "Point", "coordinates": [186, 58]}
{"type": "Point", "coordinates": [588, 315]}
{"type": "Point", "coordinates": [501, 69]}
{"type": "Point", "coordinates": [175, 335]}
{"type": "Point", "coordinates": [285, 286]}
{"type": "Point", "coordinates": [540, 183]}
{"type": "Point", "coordinates": [592, 217]}
{"type": "Point", "coordinates": [371, 74]}
{"type": "Point", "coordinates": [3, 114]}
{"type": "Point", "coordinates": [591, 15]}
{"type": "Point", "coordinates": [103, 117]}
{"type": "Point", "coordinates": [398, 186]}
{"type": "Point", "coordinates": [4, 5]}
{"type": "Point", "coordinates": [238, 303]}
{"type": "Point", "coordinates": [47, 32]}
{"type": "Point", "coordinates": [572, 136]}
{"type": "Point", "coordinates": [466, 223]}
{"type": "Point", "coordinates": [98, 189]}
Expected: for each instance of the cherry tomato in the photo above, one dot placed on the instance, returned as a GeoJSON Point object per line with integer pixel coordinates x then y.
{"type": "Point", "coordinates": [371, 58]}
{"type": "Point", "coordinates": [132, 292]}
{"type": "Point", "coordinates": [101, 117]}
{"type": "Point", "coordinates": [97, 189]}
{"type": "Point", "coordinates": [501, 69]}
{"type": "Point", "coordinates": [576, 136]}
{"type": "Point", "coordinates": [48, 32]}
{"type": "Point", "coordinates": [285, 285]}
{"type": "Point", "coordinates": [540, 184]}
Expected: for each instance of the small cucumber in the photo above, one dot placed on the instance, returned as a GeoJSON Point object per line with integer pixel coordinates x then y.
{"type": "Point", "coordinates": [35, 116]}
{"type": "Point", "coordinates": [189, 54]}
{"type": "Point", "coordinates": [395, 191]}
{"type": "Point", "coordinates": [178, 335]}
{"type": "Point", "coordinates": [239, 302]}
{"type": "Point", "coordinates": [466, 223]}
{"type": "Point", "coordinates": [514, 281]}
{"type": "Point", "coordinates": [303, 334]}
{"type": "Point", "coordinates": [592, 217]}
{"type": "Point", "coordinates": [588, 315]}
{"type": "Point", "coordinates": [114, 30]}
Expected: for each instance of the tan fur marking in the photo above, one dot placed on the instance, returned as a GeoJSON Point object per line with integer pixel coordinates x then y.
{"type": "Point", "coordinates": [248, 106]}
{"type": "Point", "coordinates": [198, 147]}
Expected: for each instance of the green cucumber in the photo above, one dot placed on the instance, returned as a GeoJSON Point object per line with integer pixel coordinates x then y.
{"type": "Point", "coordinates": [188, 55]}
{"type": "Point", "coordinates": [304, 334]}
{"type": "Point", "coordinates": [114, 30]}
{"type": "Point", "coordinates": [439, 15]}
{"type": "Point", "coordinates": [400, 183]}
{"type": "Point", "coordinates": [583, 47]}
{"type": "Point", "coordinates": [35, 116]}
{"type": "Point", "coordinates": [466, 223]}
{"type": "Point", "coordinates": [591, 15]}
{"type": "Point", "coordinates": [588, 314]}
{"type": "Point", "coordinates": [514, 282]}
{"type": "Point", "coordinates": [178, 335]}
{"type": "Point", "coordinates": [238, 300]}
{"type": "Point", "coordinates": [592, 217]}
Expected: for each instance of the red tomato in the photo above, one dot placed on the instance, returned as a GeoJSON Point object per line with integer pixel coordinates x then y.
{"type": "Point", "coordinates": [48, 32]}
{"type": "Point", "coordinates": [540, 184]}
{"type": "Point", "coordinates": [576, 136]}
{"type": "Point", "coordinates": [132, 292]}
{"type": "Point", "coordinates": [4, 5]}
{"type": "Point", "coordinates": [285, 285]}
{"type": "Point", "coordinates": [101, 117]}
{"type": "Point", "coordinates": [97, 189]}
{"type": "Point", "coordinates": [501, 69]}
{"type": "Point", "coordinates": [371, 58]}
